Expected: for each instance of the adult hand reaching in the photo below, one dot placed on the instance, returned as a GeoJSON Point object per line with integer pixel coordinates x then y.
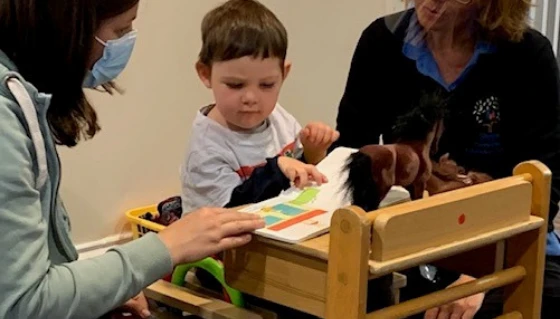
{"type": "Point", "coordinates": [136, 307]}
{"type": "Point", "coordinates": [465, 308]}
{"type": "Point", "coordinates": [208, 231]}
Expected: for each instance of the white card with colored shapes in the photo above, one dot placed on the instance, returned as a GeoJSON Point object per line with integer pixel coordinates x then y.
{"type": "Point", "coordinates": [297, 215]}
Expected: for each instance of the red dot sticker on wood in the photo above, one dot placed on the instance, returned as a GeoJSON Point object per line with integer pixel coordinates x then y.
{"type": "Point", "coordinates": [462, 219]}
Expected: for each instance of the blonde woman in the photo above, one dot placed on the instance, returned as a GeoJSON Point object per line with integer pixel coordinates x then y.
{"type": "Point", "coordinates": [501, 81]}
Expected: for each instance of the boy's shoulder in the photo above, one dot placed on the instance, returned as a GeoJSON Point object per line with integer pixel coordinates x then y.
{"type": "Point", "coordinates": [206, 133]}
{"type": "Point", "coordinates": [281, 117]}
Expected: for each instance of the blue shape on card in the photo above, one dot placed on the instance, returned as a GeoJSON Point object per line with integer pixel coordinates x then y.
{"type": "Point", "coordinates": [287, 210]}
{"type": "Point", "coordinates": [270, 220]}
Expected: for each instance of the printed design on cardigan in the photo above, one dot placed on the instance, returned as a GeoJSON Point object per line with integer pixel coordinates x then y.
{"type": "Point", "coordinates": [487, 113]}
{"type": "Point", "coordinates": [246, 171]}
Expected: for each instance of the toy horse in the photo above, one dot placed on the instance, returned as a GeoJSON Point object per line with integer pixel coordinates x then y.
{"type": "Point", "coordinates": [374, 169]}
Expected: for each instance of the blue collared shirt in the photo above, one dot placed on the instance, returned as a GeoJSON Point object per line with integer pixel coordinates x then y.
{"type": "Point", "coordinates": [416, 49]}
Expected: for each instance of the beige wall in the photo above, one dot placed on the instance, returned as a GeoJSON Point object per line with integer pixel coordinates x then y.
{"type": "Point", "coordinates": [135, 160]}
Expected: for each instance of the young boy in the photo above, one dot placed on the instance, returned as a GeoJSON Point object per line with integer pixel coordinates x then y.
{"type": "Point", "coordinates": [246, 148]}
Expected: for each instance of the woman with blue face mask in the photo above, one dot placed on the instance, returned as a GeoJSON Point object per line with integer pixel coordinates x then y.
{"type": "Point", "coordinates": [50, 50]}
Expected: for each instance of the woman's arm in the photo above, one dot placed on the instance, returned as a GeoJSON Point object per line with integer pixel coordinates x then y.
{"type": "Point", "coordinates": [533, 130]}
{"type": "Point", "coordinates": [31, 286]}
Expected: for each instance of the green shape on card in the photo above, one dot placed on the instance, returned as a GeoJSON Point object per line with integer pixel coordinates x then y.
{"type": "Point", "coordinates": [306, 196]}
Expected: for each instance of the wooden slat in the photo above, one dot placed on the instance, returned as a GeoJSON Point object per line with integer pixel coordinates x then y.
{"type": "Point", "coordinates": [183, 299]}
{"type": "Point", "coordinates": [415, 226]}
{"type": "Point", "coordinates": [443, 251]}
{"type": "Point", "coordinates": [435, 299]}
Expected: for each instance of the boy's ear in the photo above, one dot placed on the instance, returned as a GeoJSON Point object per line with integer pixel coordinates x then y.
{"type": "Point", "coordinates": [204, 73]}
{"type": "Point", "coordinates": [287, 68]}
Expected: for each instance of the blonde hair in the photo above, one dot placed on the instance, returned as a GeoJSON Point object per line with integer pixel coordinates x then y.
{"type": "Point", "coordinates": [504, 19]}
{"type": "Point", "coordinates": [500, 19]}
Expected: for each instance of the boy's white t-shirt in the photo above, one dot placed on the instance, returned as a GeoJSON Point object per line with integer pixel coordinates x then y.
{"type": "Point", "coordinates": [219, 159]}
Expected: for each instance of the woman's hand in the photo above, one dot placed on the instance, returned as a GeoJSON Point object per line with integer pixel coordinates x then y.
{"type": "Point", "coordinates": [208, 231]}
{"type": "Point", "coordinates": [299, 173]}
{"type": "Point", "coordinates": [464, 308]}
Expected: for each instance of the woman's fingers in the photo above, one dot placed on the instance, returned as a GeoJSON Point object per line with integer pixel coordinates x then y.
{"type": "Point", "coordinates": [230, 215]}
{"type": "Point", "coordinates": [234, 242]}
{"type": "Point", "coordinates": [238, 227]}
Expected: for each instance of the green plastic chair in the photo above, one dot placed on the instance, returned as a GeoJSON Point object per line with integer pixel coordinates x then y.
{"type": "Point", "coordinates": [216, 269]}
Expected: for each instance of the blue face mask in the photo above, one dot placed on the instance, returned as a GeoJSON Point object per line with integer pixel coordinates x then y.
{"type": "Point", "coordinates": [115, 58]}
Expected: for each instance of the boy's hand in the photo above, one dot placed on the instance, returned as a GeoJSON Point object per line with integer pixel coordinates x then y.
{"type": "Point", "coordinates": [316, 138]}
{"type": "Point", "coordinates": [299, 173]}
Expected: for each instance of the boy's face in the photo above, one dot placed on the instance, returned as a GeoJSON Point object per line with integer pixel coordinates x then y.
{"type": "Point", "coordinates": [245, 90]}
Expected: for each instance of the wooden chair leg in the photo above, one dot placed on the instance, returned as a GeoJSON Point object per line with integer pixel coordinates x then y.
{"type": "Point", "coordinates": [348, 264]}
{"type": "Point", "coordinates": [528, 249]}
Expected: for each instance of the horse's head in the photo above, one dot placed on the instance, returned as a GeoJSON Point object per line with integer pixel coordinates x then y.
{"type": "Point", "coordinates": [423, 123]}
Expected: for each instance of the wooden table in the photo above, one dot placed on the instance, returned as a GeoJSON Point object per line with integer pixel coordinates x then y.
{"type": "Point", "coordinates": [292, 275]}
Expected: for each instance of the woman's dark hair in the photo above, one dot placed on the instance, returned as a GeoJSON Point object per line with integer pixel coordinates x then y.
{"type": "Point", "coordinates": [50, 41]}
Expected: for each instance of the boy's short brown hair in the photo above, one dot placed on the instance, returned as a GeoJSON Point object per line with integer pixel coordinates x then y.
{"type": "Point", "coordinates": [240, 28]}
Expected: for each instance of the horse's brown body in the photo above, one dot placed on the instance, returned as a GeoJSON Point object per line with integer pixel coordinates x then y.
{"type": "Point", "coordinates": [403, 164]}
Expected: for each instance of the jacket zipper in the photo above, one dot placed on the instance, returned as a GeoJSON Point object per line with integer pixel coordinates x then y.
{"type": "Point", "coordinates": [54, 205]}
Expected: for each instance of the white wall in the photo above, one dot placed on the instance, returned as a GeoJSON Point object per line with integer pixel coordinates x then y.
{"type": "Point", "coordinates": [135, 159]}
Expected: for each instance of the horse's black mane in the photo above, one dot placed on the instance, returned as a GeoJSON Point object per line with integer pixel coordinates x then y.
{"type": "Point", "coordinates": [420, 120]}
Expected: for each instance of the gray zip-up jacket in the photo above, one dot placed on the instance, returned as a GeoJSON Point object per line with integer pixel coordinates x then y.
{"type": "Point", "coordinates": [41, 277]}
